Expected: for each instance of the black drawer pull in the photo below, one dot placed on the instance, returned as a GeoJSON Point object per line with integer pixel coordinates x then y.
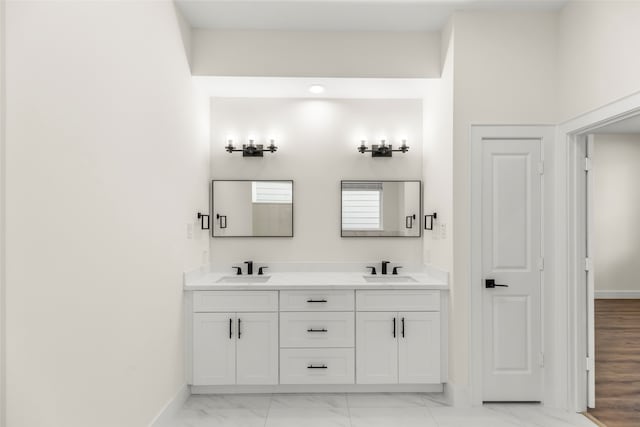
{"type": "Point", "coordinates": [317, 367]}
{"type": "Point", "coordinates": [316, 300]}
{"type": "Point", "coordinates": [317, 330]}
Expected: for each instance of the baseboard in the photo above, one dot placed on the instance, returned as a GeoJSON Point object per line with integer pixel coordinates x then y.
{"type": "Point", "coordinates": [171, 408]}
{"type": "Point", "coordinates": [617, 294]}
{"type": "Point", "coordinates": [319, 388]}
{"type": "Point", "coordinates": [458, 396]}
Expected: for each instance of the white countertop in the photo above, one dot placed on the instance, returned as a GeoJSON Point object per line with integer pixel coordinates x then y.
{"type": "Point", "coordinates": [314, 280]}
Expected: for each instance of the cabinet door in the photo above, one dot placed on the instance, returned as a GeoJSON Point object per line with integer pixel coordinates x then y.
{"type": "Point", "coordinates": [257, 348]}
{"type": "Point", "coordinates": [376, 348]}
{"type": "Point", "coordinates": [419, 347]}
{"type": "Point", "coordinates": [214, 349]}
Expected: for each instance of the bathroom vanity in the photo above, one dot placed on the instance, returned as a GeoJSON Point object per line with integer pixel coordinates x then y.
{"type": "Point", "coordinates": [316, 331]}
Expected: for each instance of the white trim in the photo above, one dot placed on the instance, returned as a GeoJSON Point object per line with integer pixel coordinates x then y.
{"type": "Point", "coordinates": [458, 396]}
{"type": "Point", "coordinates": [318, 388]}
{"type": "Point", "coordinates": [570, 238]}
{"type": "Point", "coordinates": [546, 135]}
{"type": "Point", "coordinates": [171, 408]}
{"type": "Point", "coordinates": [617, 294]}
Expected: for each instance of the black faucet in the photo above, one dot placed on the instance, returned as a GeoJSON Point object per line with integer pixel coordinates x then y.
{"type": "Point", "coordinates": [384, 266]}
{"type": "Point", "coordinates": [249, 267]}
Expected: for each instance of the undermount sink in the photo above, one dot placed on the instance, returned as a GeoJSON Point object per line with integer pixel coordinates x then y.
{"type": "Point", "coordinates": [390, 279]}
{"type": "Point", "coordinates": [243, 279]}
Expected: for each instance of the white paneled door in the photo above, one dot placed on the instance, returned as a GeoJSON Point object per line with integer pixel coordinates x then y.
{"type": "Point", "coordinates": [512, 172]}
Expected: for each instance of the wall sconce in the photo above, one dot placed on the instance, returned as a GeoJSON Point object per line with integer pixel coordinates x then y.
{"type": "Point", "coordinates": [251, 149]}
{"type": "Point", "coordinates": [204, 217]}
{"type": "Point", "coordinates": [428, 221]}
{"type": "Point", "coordinates": [382, 150]}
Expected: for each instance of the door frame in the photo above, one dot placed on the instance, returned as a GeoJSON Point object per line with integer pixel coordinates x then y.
{"type": "Point", "coordinates": [545, 133]}
{"type": "Point", "coordinates": [572, 238]}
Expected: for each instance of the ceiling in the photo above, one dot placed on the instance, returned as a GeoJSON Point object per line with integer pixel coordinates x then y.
{"type": "Point", "coordinates": [630, 125]}
{"type": "Point", "coordinates": [336, 15]}
{"type": "Point", "coordinates": [298, 87]}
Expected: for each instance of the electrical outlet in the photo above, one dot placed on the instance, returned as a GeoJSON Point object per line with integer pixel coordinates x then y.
{"type": "Point", "coordinates": [189, 231]}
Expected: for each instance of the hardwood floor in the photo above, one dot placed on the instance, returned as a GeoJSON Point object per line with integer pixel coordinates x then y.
{"type": "Point", "coordinates": [617, 362]}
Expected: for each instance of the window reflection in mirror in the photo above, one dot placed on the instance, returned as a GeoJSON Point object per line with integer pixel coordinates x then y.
{"type": "Point", "coordinates": [247, 208]}
{"type": "Point", "coordinates": [381, 208]}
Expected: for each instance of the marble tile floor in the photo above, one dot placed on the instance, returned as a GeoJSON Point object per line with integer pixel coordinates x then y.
{"type": "Point", "coordinates": [361, 410]}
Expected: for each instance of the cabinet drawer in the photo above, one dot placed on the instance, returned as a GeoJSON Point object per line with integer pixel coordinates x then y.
{"type": "Point", "coordinates": [317, 366]}
{"type": "Point", "coordinates": [235, 301]}
{"type": "Point", "coordinates": [316, 300]}
{"type": "Point", "coordinates": [401, 300]}
{"type": "Point", "coordinates": [317, 329]}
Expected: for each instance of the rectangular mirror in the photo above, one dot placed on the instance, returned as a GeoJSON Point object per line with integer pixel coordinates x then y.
{"type": "Point", "coordinates": [381, 208]}
{"type": "Point", "coordinates": [252, 208]}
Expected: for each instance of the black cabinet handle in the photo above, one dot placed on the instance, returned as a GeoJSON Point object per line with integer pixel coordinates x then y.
{"type": "Point", "coordinates": [490, 284]}
{"type": "Point", "coordinates": [394, 327]}
{"type": "Point", "coordinates": [317, 367]}
{"type": "Point", "coordinates": [403, 327]}
{"type": "Point", "coordinates": [316, 300]}
{"type": "Point", "coordinates": [239, 330]}
{"type": "Point", "coordinates": [230, 326]}
{"type": "Point", "coordinates": [317, 330]}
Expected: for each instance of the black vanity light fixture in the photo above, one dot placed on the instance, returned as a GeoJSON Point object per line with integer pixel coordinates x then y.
{"type": "Point", "coordinates": [382, 149]}
{"type": "Point", "coordinates": [252, 149]}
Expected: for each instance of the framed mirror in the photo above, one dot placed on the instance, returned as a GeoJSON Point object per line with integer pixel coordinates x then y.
{"type": "Point", "coordinates": [252, 208]}
{"type": "Point", "coordinates": [381, 208]}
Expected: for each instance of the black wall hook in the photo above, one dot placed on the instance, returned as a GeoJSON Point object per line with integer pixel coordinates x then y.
{"type": "Point", "coordinates": [428, 221]}
{"type": "Point", "coordinates": [202, 217]}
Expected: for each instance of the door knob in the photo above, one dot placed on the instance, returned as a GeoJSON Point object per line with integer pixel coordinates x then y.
{"type": "Point", "coordinates": [491, 283]}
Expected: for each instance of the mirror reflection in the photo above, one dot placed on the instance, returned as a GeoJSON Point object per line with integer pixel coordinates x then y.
{"type": "Point", "coordinates": [381, 208]}
{"type": "Point", "coordinates": [252, 208]}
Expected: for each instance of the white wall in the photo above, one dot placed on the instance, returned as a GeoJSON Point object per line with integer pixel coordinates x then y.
{"type": "Point", "coordinates": [438, 160]}
{"type": "Point", "coordinates": [107, 152]}
{"type": "Point", "coordinates": [598, 60]}
{"type": "Point", "coordinates": [315, 53]}
{"type": "Point", "coordinates": [505, 72]}
{"type": "Point", "coordinates": [317, 140]}
{"type": "Point", "coordinates": [2, 219]}
{"type": "Point", "coordinates": [616, 205]}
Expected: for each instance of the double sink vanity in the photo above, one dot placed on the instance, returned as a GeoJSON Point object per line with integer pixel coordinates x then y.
{"type": "Point", "coordinates": [316, 330]}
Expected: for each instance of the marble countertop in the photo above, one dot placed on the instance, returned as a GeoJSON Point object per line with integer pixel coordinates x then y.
{"type": "Point", "coordinates": [314, 280]}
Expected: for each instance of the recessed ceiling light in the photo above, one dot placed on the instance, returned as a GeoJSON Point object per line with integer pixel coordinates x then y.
{"type": "Point", "coordinates": [316, 89]}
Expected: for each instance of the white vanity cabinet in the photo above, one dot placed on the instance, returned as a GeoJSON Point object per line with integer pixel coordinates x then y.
{"type": "Point", "coordinates": [317, 337]}
{"type": "Point", "coordinates": [295, 340]}
{"type": "Point", "coordinates": [235, 347]}
{"type": "Point", "coordinates": [398, 347]}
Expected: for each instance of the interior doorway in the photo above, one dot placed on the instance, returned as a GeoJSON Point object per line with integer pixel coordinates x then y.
{"type": "Point", "coordinates": [510, 170]}
{"type": "Point", "coordinates": [612, 246]}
